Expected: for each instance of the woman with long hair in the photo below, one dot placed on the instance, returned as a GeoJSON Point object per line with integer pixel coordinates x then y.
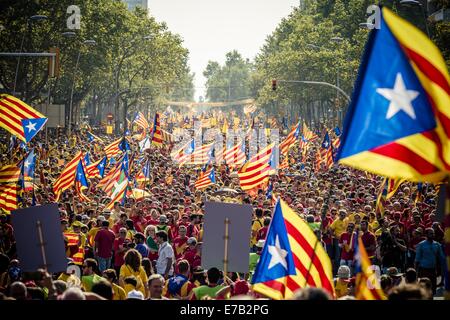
{"type": "Point", "coordinates": [150, 235]}
{"type": "Point", "coordinates": [133, 267]}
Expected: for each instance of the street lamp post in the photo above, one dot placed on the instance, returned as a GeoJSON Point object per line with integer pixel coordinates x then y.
{"type": "Point", "coordinates": [87, 42]}
{"type": "Point", "coordinates": [29, 21]}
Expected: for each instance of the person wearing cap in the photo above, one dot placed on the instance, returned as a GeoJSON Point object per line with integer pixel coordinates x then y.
{"type": "Point", "coordinates": [192, 254]}
{"type": "Point", "coordinates": [135, 295]}
{"type": "Point", "coordinates": [341, 283]}
{"type": "Point", "coordinates": [163, 226]}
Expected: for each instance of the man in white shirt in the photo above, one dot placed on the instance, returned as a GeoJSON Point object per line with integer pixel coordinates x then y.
{"type": "Point", "coordinates": [166, 257]}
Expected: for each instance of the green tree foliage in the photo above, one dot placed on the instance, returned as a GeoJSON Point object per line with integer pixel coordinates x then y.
{"type": "Point", "coordinates": [230, 81]}
{"type": "Point", "coordinates": [134, 55]}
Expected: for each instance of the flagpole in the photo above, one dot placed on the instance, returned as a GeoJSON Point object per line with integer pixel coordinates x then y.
{"type": "Point", "coordinates": [323, 215]}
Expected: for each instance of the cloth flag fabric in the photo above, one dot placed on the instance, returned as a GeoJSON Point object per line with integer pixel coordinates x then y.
{"type": "Point", "coordinates": [19, 119]}
{"type": "Point", "coordinates": [290, 140]}
{"type": "Point", "coordinates": [157, 139]}
{"type": "Point", "coordinates": [255, 173]}
{"type": "Point", "coordinates": [205, 179]}
{"type": "Point", "coordinates": [67, 177]}
{"type": "Point", "coordinates": [398, 123]}
{"type": "Point", "coordinates": [367, 285]}
{"type": "Point", "coordinates": [292, 258]}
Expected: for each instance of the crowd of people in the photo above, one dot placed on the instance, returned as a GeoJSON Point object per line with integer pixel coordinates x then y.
{"type": "Point", "coordinates": [151, 247]}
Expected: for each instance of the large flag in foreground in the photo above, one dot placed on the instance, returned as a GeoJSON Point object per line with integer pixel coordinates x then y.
{"type": "Point", "coordinates": [292, 258]}
{"type": "Point", "coordinates": [398, 123]}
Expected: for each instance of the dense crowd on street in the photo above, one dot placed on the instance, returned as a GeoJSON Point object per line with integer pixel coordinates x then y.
{"type": "Point", "coordinates": [151, 247]}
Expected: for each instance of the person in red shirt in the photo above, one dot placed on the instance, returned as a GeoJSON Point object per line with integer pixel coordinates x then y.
{"type": "Point", "coordinates": [369, 240]}
{"type": "Point", "coordinates": [416, 223]}
{"type": "Point", "coordinates": [347, 244]}
{"type": "Point", "coordinates": [184, 221]}
{"type": "Point", "coordinates": [262, 232]}
{"type": "Point", "coordinates": [104, 241]}
{"type": "Point", "coordinates": [137, 216]}
{"type": "Point", "coordinates": [180, 242]}
{"type": "Point", "coordinates": [120, 248]}
{"type": "Point", "coordinates": [191, 254]}
{"type": "Point", "coordinates": [397, 222]}
{"type": "Point", "coordinates": [120, 224]}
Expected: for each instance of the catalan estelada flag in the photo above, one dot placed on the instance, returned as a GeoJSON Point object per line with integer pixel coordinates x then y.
{"type": "Point", "coordinates": [67, 177]}
{"type": "Point", "coordinates": [205, 179]}
{"type": "Point", "coordinates": [398, 123]}
{"type": "Point", "coordinates": [19, 119]}
{"type": "Point", "coordinates": [290, 140]}
{"type": "Point", "coordinates": [81, 182]}
{"type": "Point", "coordinates": [292, 258]}
{"type": "Point", "coordinates": [367, 285]}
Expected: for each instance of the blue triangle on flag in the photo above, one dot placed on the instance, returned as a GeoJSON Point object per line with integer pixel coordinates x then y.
{"type": "Point", "coordinates": [32, 126]}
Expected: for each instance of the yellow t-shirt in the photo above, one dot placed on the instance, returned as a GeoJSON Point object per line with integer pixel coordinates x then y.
{"type": "Point", "coordinates": [141, 276]}
{"type": "Point", "coordinates": [256, 225]}
{"type": "Point", "coordinates": [91, 235]}
{"type": "Point", "coordinates": [119, 292]}
{"type": "Point", "coordinates": [338, 226]}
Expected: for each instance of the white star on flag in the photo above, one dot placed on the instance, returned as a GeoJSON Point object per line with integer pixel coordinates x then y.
{"type": "Point", "coordinates": [31, 126]}
{"type": "Point", "coordinates": [400, 98]}
{"type": "Point", "coordinates": [278, 255]}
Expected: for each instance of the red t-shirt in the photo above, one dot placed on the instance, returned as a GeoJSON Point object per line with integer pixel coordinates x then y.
{"type": "Point", "coordinates": [118, 257]}
{"type": "Point", "coordinates": [152, 222]}
{"type": "Point", "coordinates": [179, 246]}
{"type": "Point", "coordinates": [347, 255]}
{"type": "Point", "coordinates": [139, 223]}
{"type": "Point", "coordinates": [117, 227]}
{"type": "Point", "coordinates": [192, 257]}
{"type": "Point", "coordinates": [262, 233]}
{"type": "Point", "coordinates": [368, 240]}
{"type": "Point", "coordinates": [104, 240]}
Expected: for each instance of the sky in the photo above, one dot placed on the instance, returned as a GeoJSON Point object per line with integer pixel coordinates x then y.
{"type": "Point", "coordinates": [211, 28]}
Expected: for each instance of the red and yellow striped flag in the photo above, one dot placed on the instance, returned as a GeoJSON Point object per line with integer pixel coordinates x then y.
{"type": "Point", "coordinates": [8, 197]}
{"type": "Point", "coordinates": [292, 258]}
{"type": "Point", "coordinates": [113, 149]}
{"type": "Point", "coordinates": [13, 112]}
{"type": "Point", "coordinates": [157, 139]}
{"type": "Point", "coordinates": [255, 173]}
{"type": "Point", "coordinates": [67, 176]}
{"type": "Point", "coordinates": [290, 140]}
{"type": "Point", "coordinates": [9, 174]}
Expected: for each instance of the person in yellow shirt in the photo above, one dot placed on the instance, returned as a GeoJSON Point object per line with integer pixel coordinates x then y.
{"type": "Point", "coordinates": [338, 227]}
{"type": "Point", "coordinates": [133, 267]}
{"type": "Point", "coordinates": [118, 292]}
{"type": "Point", "coordinates": [93, 232]}
{"type": "Point", "coordinates": [257, 224]}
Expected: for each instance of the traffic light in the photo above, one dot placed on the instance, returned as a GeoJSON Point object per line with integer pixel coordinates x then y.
{"type": "Point", "coordinates": [274, 85]}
